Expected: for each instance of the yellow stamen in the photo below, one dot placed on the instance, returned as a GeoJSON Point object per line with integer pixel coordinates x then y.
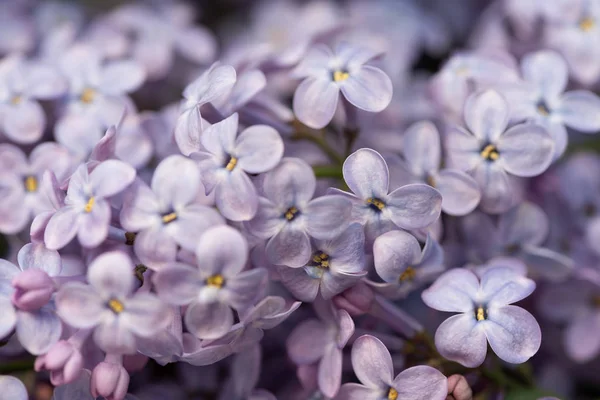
{"type": "Point", "coordinates": [408, 274]}
{"type": "Point", "coordinates": [215, 281]}
{"type": "Point", "coordinates": [376, 202]}
{"type": "Point", "coordinates": [340, 76]}
{"type": "Point", "coordinates": [130, 238]}
{"type": "Point", "coordinates": [31, 183]}
{"type": "Point", "coordinates": [543, 110]}
{"type": "Point", "coordinates": [89, 205]}
{"type": "Point", "coordinates": [231, 164]}
{"type": "Point", "coordinates": [430, 180]}
{"type": "Point", "coordinates": [87, 96]}
{"type": "Point", "coordinates": [480, 314]}
{"type": "Point", "coordinates": [392, 394]}
{"type": "Point", "coordinates": [587, 24]}
{"type": "Point", "coordinates": [490, 152]}
{"type": "Point", "coordinates": [169, 218]}
{"type": "Point", "coordinates": [116, 306]}
{"type": "Point", "coordinates": [321, 259]}
{"type": "Point", "coordinates": [290, 214]}
{"type": "Point", "coordinates": [16, 100]}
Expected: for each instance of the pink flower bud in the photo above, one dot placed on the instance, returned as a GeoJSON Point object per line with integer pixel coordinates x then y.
{"type": "Point", "coordinates": [109, 380]}
{"type": "Point", "coordinates": [356, 301]}
{"type": "Point", "coordinates": [63, 360]}
{"type": "Point", "coordinates": [458, 388]}
{"type": "Point", "coordinates": [34, 289]}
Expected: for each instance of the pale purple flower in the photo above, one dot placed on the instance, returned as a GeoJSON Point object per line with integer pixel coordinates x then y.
{"type": "Point", "coordinates": [289, 218]}
{"type": "Point", "coordinates": [167, 214]}
{"type": "Point", "coordinates": [402, 265]}
{"type": "Point", "coordinates": [422, 152]}
{"type": "Point", "coordinates": [335, 265]}
{"type": "Point", "coordinates": [215, 286]}
{"type": "Point", "coordinates": [245, 371]}
{"type": "Point", "coordinates": [108, 305]}
{"type": "Point", "coordinates": [519, 233]}
{"type": "Point", "coordinates": [22, 189]}
{"type": "Point", "coordinates": [86, 213]}
{"type": "Point", "coordinates": [373, 367]}
{"type": "Point", "coordinates": [328, 73]}
{"type": "Point", "coordinates": [492, 154]}
{"type": "Point", "coordinates": [25, 309]}
{"type": "Point", "coordinates": [22, 84]}
{"type": "Point", "coordinates": [320, 342]}
{"type": "Point", "coordinates": [97, 97]}
{"type": "Point", "coordinates": [227, 158]}
{"type": "Point", "coordinates": [413, 206]}
{"type": "Point", "coordinates": [213, 84]}
{"type": "Point", "coordinates": [541, 98]}
{"type": "Point", "coordinates": [12, 388]}
{"type": "Point", "coordinates": [486, 316]}
{"type": "Point", "coordinates": [133, 143]}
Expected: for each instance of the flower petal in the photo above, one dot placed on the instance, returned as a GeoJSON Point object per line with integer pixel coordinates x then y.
{"type": "Point", "coordinates": [421, 383]}
{"type": "Point", "coordinates": [61, 228]}
{"type": "Point", "coordinates": [462, 339]}
{"type": "Point", "coordinates": [579, 344]}
{"type": "Point", "coordinates": [547, 70]}
{"type": "Point", "coordinates": [222, 250]}
{"type": "Point", "coordinates": [38, 331]}
{"type": "Point", "coordinates": [290, 247]}
{"type": "Point", "coordinates": [580, 110]}
{"type": "Point", "coordinates": [25, 122]}
{"type": "Point", "coordinates": [115, 337]}
{"type": "Point", "coordinates": [79, 305]}
{"type": "Point", "coordinates": [177, 283]}
{"type": "Point", "coordinates": [111, 274]}
{"type": "Point", "coordinates": [315, 102]}
{"type": "Point", "coordinates": [372, 362]}
{"type": "Point", "coordinates": [236, 196]}
{"type": "Point", "coordinates": [258, 148]}
{"type": "Point", "coordinates": [8, 317]}
{"type": "Point", "coordinates": [307, 342]}
{"type": "Point", "coordinates": [421, 146]}
{"type": "Point", "coordinates": [368, 88]}
{"type": "Point", "coordinates": [327, 216]}
{"type": "Point", "coordinates": [111, 177]}
{"type": "Point", "coordinates": [145, 315]}
{"type": "Point", "coordinates": [454, 291]}
{"type": "Point", "coordinates": [155, 247]}
{"type": "Point", "coordinates": [13, 388]}
{"type": "Point", "coordinates": [208, 321]}
{"type": "Point", "coordinates": [501, 286]}
{"type": "Point", "coordinates": [414, 206]}
{"type": "Point", "coordinates": [393, 252]}
{"type": "Point", "coordinates": [291, 183]}
{"type": "Point", "coordinates": [176, 181]}
{"type": "Point", "coordinates": [526, 150]}
{"type": "Point", "coordinates": [366, 174]}
{"type": "Point", "coordinates": [460, 193]}
{"type": "Point", "coordinates": [497, 193]}
{"type": "Point", "coordinates": [330, 371]}
{"type": "Point", "coordinates": [39, 257]}
{"type": "Point", "coordinates": [513, 333]}
{"type": "Point", "coordinates": [93, 226]}
{"type": "Point", "coordinates": [486, 115]}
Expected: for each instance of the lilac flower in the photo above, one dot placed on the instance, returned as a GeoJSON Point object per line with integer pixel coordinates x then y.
{"type": "Point", "coordinates": [97, 97]}
{"type": "Point", "coordinates": [519, 233]}
{"type": "Point", "coordinates": [412, 206]}
{"type": "Point", "coordinates": [167, 214]}
{"type": "Point", "coordinates": [64, 361]}
{"type": "Point", "coordinates": [540, 98]}
{"type": "Point", "coordinates": [22, 194]}
{"type": "Point", "coordinates": [226, 158]}
{"type": "Point", "coordinates": [25, 292]}
{"type": "Point", "coordinates": [321, 341]}
{"type": "Point", "coordinates": [22, 84]}
{"type": "Point", "coordinates": [12, 388]}
{"type": "Point", "coordinates": [402, 265]}
{"type": "Point", "coordinates": [492, 154]}
{"type": "Point", "coordinates": [109, 380]}
{"type": "Point", "coordinates": [245, 372]}
{"type": "Point", "coordinates": [421, 164]}
{"type": "Point", "coordinates": [335, 265]}
{"type": "Point", "coordinates": [486, 316]}
{"type": "Point", "coordinates": [215, 286]}
{"type": "Point", "coordinates": [133, 144]}
{"type": "Point", "coordinates": [108, 305]}
{"type": "Point", "coordinates": [373, 366]}
{"type": "Point", "coordinates": [327, 74]}
{"type": "Point", "coordinates": [289, 218]}
{"type": "Point", "coordinates": [81, 388]}
{"type": "Point", "coordinates": [213, 84]}
{"type": "Point", "coordinates": [86, 213]}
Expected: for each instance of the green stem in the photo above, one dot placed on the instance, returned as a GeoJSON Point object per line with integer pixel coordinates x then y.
{"type": "Point", "coordinates": [16, 366]}
{"type": "Point", "coordinates": [328, 171]}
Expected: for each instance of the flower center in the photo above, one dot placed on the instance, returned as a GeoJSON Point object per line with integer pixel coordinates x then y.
{"type": "Point", "coordinates": [392, 394]}
{"type": "Point", "coordinates": [31, 183]}
{"type": "Point", "coordinates": [170, 217]}
{"type": "Point", "coordinates": [16, 100]}
{"type": "Point", "coordinates": [116, 306]}
{"type": "Point", "coordinates": [88, 95]}
{"type": "Point", "coordinates": [375, 203]}
{"type": "Point", "coordinates": [543, 108]}
{"type": "Point", "coordinates": [490, 153]}
{"type": "Point", "coordinates": [130, 238]}
{"type": "Point", "coordinates": [340, 75]}
{"type": "Point", "coordinates": [231, 164]}
{"type": "Point", "coordinates": [480, 313]}
{"type": "Point", "coordinates": [215, 281]}
{"type": "Point", "coordinates": [586, 24]}
{"type": "Point", "coordinates": [89, 205]}
{"type": "Point", "coordinates": [321, 259]}
{"type": "Point", "coordinates": [291, 213]}
{"type": "Point", "coordinates": [407, 275]}
{"type": "Point", "coordinates": [430, 180]}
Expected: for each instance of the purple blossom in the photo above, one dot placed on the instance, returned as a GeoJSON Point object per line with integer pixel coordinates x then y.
{"type": "Point", "coordinates": [289, 218]}
{"type": "Point", "coordinates": [167, 214]}
{"type": "Point", "coordinates": [412, 206]}
{"type": "Point", "coordinates": [13, 388]}
{"type": "Point", "coordinates": [328, 73]}
{"type": "Point", "coordinates": [373, 366]}
{"type": "Point", "coordinates": [227, 158]}
{"type": "Point", "coordinates": [486, 316]}
{"type": "Point", "coordinates": [492, 154]}
{"type": "Point", "coordinates": [86, 213]}
{"type": "Point", "coordinates": [215, 286]}
{"type": "Point", "coordinates": [108, 305]}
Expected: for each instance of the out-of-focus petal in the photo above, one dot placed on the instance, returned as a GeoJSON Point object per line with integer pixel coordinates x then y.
{"type": "Point", "coordinates": [111, 273]}
{"type": "Point", "coordinates": [486, 115]}
{"type": "Point", "coordinates": [315, 102]}
{"type": "Point", "coordinates": [368, 88]}
{"type": "Point", "coordinates": [526, 150]}
{"type": "Point", "coordinates": [580, 109]}
{"type": "Point", "coordinates": [208, 321]}
{"type": "Point", "coordinates": [460, 193]}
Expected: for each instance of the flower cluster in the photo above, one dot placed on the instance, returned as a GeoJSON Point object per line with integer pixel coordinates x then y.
{"type": "Point", "coordinates": [287, 210]}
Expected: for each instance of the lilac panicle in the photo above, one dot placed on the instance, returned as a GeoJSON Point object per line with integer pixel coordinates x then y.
{"type": "Point", "coordinates": [288, 218]}
{"type": "Point", "coordinates": [328, 73]}
{"type": "Point", "coordinates": [226, 158]}
{"type": "Point", "coordinates": [373, 366]}
{"type": "Point", "coordinates": [486, 316]}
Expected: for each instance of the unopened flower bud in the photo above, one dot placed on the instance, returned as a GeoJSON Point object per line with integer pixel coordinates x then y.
{"type": "Point", "coordinates": [34, 289]}
{"type": "Point", "coordinates": [459, 388]}
{"type": "Point", "coordinates": [63, 360]}
{"type": "Point", "coordinates": [356, 301]}
{"type": "Point", "coordinates": [109, 380]}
